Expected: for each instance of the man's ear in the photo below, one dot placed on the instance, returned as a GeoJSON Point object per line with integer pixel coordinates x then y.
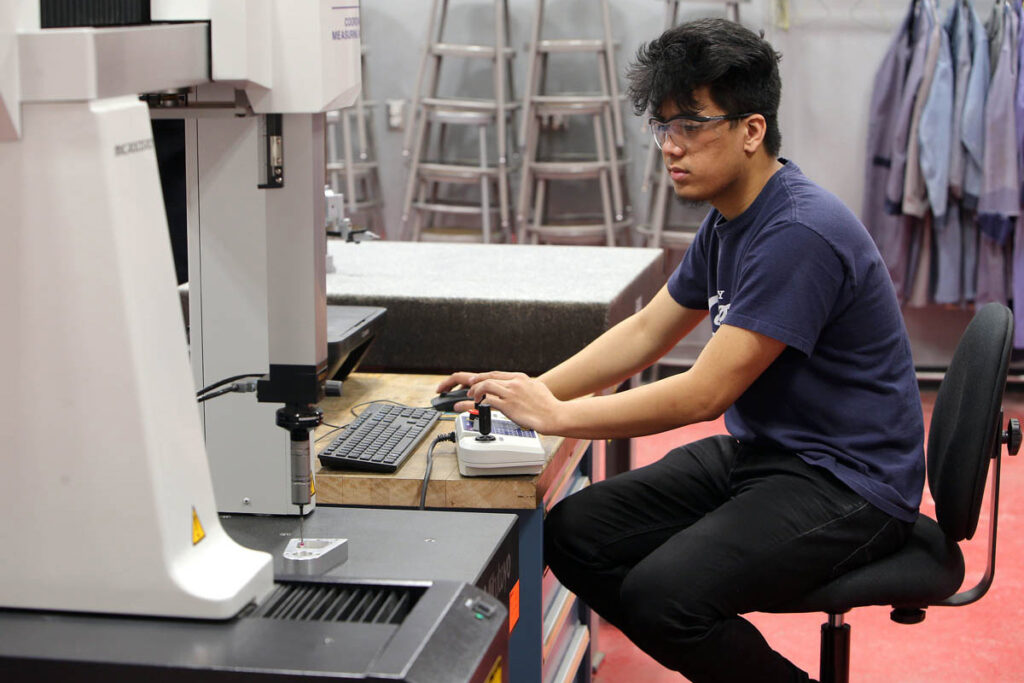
{"type": "Point", "coordinates": [754, 129]}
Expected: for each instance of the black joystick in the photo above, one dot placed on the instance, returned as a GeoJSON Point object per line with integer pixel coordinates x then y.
{"type": "Point", "coordinates": [484, 422]}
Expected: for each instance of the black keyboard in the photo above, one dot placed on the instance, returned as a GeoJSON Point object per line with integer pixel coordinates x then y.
{"type": "Point", "coordinates": [380, 439]}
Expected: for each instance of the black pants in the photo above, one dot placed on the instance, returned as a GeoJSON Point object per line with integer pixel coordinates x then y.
{"type": "Point", "coordinates": [673, 552]}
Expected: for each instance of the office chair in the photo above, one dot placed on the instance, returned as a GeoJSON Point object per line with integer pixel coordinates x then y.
{"type": "Point", "coordinates": [965, 434]}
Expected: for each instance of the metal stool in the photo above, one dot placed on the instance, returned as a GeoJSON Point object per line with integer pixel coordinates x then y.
{"type": "Point", "coordinates": [352, 169]}
{"type": "Point", "coordinates": [432, 168]}
{"type": "Point", "coordinates": [432, 177]}
{"type": "Point", "coordinates": [538, 172]}
{"type": "Point", "coordinates": [606, 165]}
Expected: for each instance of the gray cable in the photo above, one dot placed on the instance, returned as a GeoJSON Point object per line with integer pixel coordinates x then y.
{"type": "Point", "coordinates": [450, 436]}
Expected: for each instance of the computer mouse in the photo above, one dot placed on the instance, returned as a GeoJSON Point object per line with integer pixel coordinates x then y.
{"type": "Point", "coordinates": [446, 400]}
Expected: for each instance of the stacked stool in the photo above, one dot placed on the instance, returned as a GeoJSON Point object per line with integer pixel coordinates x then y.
{"type": "Point", "coordinates": [658, 231]}
{"type": "Point", "coordinates": [352, 168]}
{"type": "Point", "coordinates": [436, 172]}
{"type": "Point", "coordinates": [540, 166]}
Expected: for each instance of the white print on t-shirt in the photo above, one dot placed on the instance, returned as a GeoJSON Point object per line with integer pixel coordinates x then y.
{"type": "Point", "coordinates": [722, 308]}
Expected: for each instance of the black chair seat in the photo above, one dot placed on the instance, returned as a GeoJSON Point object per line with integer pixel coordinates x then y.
{"type": "Point", "coordinates": [929, 568]}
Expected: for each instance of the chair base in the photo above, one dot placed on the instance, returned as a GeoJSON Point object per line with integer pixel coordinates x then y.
{"type": "Point", "coordinates": [835, 651]}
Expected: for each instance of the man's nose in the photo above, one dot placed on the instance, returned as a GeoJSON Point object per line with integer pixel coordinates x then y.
{"type": "Point", "coordinates": [670, 148]}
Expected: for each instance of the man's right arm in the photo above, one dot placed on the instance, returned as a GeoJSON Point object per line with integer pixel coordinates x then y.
{"type": "Point", "coordinates": [625, 349]}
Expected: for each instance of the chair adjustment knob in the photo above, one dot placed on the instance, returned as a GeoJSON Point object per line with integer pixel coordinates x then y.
{"type": "Point", "coordinates": [907, 615]}
{"type": "Point", "coordinates": [1012, 436]}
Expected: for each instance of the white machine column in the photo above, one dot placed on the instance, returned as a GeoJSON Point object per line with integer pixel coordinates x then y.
{"type": "Point", "coordinates": [105, 489]}
{"type": "Point", "coordinates": [297, 296]}
{"type": "Point", "coordinates": [227, 242]}
{"type": "Point", "coordinates": [257, 296]}
{"type": "Point", "coordinates": [297, 249]}
{"type": "Point", "coordinates": [257, 287]}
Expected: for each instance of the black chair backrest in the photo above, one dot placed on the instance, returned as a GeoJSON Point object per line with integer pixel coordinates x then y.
{"type": "Point", "coordinates": [966, 420]}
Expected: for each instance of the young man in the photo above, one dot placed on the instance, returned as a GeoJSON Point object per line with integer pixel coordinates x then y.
{"type": "Point", "coordinates": [823, 467]}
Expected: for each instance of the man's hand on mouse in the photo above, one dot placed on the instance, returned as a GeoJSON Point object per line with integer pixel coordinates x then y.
{"type": "Point", "coordinates": [526, 401]}
{"type": "Point", "coordinates": [458, 379]}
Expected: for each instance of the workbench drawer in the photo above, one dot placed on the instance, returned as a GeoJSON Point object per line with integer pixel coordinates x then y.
{"type": "Point", "coordinates": [568, 657]}
{"type": "Point", "coordinates": [565, 638]}
{"type": "Point", "coordinates": [560, 616]}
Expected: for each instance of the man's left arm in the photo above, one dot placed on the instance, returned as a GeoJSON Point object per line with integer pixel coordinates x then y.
{"type": "Point", "coordinates": [729, 363]}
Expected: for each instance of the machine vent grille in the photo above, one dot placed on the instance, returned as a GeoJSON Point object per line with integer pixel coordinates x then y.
{"type": "Point", "coordinates": [69, 13]}
{"type": "Point", "coordinates": [340, 603]}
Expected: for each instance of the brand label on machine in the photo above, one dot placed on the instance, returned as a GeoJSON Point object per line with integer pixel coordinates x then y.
{"type": "Point", "coordinates": [351, 30]}
{"type": "Point", "coordinates": [133, 147]}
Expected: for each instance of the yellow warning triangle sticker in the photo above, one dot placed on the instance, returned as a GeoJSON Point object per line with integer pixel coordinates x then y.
{"type": "Point", "coordinates": [312, 488]}
{"type": "Point", "coordinates": [197, 529]}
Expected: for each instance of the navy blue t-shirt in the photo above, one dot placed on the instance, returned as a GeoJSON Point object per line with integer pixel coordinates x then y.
{"type": "Point", "coordinates": [799, 267]}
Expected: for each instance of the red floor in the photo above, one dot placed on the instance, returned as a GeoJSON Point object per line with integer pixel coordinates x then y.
{"type": "Point", "coordinates": [979, 642]}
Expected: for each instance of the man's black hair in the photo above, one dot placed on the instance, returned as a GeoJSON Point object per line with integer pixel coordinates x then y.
{"type": "Point", "coordinates": [738, 66]}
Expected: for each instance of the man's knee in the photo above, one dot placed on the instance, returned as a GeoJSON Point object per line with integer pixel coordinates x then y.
{"type": "Point", "coordinates": [658, 618]}
{"type": "Point", "coordinates": [562, 527]}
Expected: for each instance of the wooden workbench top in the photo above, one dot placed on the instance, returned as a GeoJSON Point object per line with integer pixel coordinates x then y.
{"type": "Point", "coordinates": [447, 488]}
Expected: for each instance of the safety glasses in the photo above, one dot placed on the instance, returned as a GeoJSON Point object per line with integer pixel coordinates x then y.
{"type": "Point", "coordinates": [685, 128]}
